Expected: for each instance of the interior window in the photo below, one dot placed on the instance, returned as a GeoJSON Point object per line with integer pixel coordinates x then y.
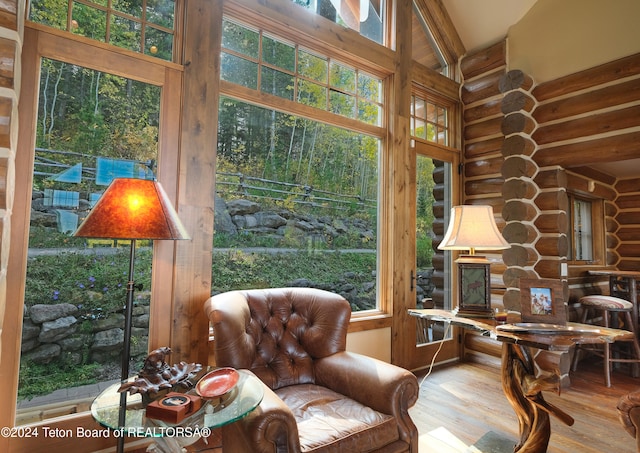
{"type": "Point", "coordinates": [586, 230]}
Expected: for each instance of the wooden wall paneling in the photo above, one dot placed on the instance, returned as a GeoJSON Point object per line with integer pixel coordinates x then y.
{"type": "Point", "coordinates": [626, 233]}
{"type": "Point", "coordinates": [518, 167]}
{"type": "Point", "coordinates": [553, 245]}
{"type": "Point", "coordinates": [548, 267]}
{"type": "Point", "coordinates": [4, 181]}
{"type": "Point", "coordinates": [630, 250]}
{"type": "Point", "coordinates": [519, 190]}
{"type": "Point", "coordinates": [484, 61]}
{"type": "Point", "coordinates": [517, 122]}
{"type": "Point", "coordinates": [517, 210]}
{"type": "Point", "coordinates": [552, 200]}
{"type": "Point", "coordinates": [516, 145]}
{"type": "Point", "coordinates": [519, 256]}
{"type": "Point", "coordinates": [583, 80]}
{"type": "Point", "coordinates": [570, 106]}
{"type": "Point", "coordinates": [515, 79]}
{"type": "Point", "coordinates": [591, 187]}
{"type": "Point", "coordinates": [593, 173]}
{"type": "Point", "coordinates": [483, 167]}
{"type": "Point", "coordinates": [484, 147]}
{"type": "Point", "coordinates": [483, 141]}
{"type": "Point", "coordinates": [481, 88]}
{"type": "Point", "coordinates": [626, 185]}
{"type": "Point", "coordinates": [515, 101]}
{"type": "Point", "coordinates": [623, 146]}
{"type": "Point", "coordinates": [481, 187]}
{"type": "Point", "coordinates": [599, 123]}
{"type": "Point", "coordinates": [520, 233]}
{"type": "Point", "coordinates": [482, 111]}
{"type": "Point", "coordinates": [479, 130]}
{"type": "Point", "coordinates": [550, 178]}
{"type": "Point", "coordinates": [552, 222]}
{"type": "Point", "coordinates": [629, 201]}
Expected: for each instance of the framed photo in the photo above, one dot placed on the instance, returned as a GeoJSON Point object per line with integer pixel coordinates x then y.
{"type": "Point", "coordinates": [475, 293]}
{"type": "Point", "coordinates": [542, 301]}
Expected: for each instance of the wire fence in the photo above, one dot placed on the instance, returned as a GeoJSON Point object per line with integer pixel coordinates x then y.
{"type": "Point", "coordinates": [85, 169]}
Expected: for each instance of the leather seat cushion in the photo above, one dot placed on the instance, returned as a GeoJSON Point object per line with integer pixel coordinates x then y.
{"type": "Point", "coordinates": [330, 422]}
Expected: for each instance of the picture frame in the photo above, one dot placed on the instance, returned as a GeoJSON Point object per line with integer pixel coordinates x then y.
{"type": "Point", "coordinates": [542, 301]}
{"type": "Point", "coordinates": [475, 291]}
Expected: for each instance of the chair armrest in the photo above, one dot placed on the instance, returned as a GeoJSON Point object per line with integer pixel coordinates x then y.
{"type": "Point", "coordinates": [379, 385]}
{"type": "Point", "coordinates": [271, 427]}
{"type": "Point", "coordinates": [629, 414]}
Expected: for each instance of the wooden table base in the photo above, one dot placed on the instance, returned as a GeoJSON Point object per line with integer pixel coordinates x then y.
{"type": "Point", "coordinates": [524, 392]}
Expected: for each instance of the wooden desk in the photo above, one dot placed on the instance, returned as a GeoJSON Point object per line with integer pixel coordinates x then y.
{"type": "Point", "coordinates": [623, 284]}
{"type": "Point", "coordinates": [520, 384]}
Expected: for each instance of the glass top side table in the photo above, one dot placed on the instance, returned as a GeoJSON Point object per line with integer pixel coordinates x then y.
{"type": "Point", "coordinates": [234, 405]}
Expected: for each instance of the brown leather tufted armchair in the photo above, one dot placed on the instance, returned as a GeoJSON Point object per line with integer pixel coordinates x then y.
{"type": "Point", "coordinates": [318, 397]}
{"type": "Point", "coordinates": [629, 414]}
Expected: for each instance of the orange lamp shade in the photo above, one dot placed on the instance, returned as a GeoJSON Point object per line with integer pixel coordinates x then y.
{"type": "Point", "coordinates": [133, 209]}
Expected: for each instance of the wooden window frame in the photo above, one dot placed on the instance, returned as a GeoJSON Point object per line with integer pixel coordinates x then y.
{"type": "Point", "coordinates": [45, 42]}
{"type": "Point", "coordinates": [597, 229]}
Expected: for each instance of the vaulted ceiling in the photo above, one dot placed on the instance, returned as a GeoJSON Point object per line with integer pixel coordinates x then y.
{"type": "Point", "coordinates": [480, 24]}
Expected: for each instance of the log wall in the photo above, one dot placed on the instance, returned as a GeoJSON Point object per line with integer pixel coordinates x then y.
{"type": "Point", "coordinates": [584, 119]}
{"type": "Point", "coordinates": [526, 146]}
{"type": "Point", "coordinates": [483, 139]}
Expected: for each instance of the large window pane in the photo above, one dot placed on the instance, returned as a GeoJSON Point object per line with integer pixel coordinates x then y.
{"type": "Point", "coordinates": [431, 176]}
{"type": "Point", "coordinates": [92, 127]}
{"type": "Point", "coordinates": [296, 204]}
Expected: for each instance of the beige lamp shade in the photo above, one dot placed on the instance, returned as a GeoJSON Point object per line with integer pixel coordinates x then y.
{"type": "Point", "coordinates": [133, 209]}
{"type": "Point", "coordinates": [472, 228]}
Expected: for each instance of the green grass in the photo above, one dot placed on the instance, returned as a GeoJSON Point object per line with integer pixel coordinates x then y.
{"type": "Point", "coordinates": [97, 285]}
{"type": "Point", "coordinates": [38, 379]}
{"type": "Point", "coordinates": [240, 270]}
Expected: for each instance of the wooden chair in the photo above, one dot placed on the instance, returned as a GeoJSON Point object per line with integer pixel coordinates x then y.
{"type": "Point", "coordinates": [608, 310]}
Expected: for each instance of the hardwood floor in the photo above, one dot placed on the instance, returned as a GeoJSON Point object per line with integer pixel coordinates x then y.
{"type": "Point", "coordinates": [465, 401]}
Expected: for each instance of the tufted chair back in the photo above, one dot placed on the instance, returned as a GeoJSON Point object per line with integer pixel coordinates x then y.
{"type": "Point", "coordinates": [279, 333]}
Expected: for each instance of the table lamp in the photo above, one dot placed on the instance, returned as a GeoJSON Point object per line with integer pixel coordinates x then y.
{"type": "Point", "coordinates": [132, 209]}
{"type": "Point", "coordinates": [473, 228]}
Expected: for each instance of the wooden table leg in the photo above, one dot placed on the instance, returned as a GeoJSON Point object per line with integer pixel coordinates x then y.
{"type": "Point", "coordinates": [524, 392]}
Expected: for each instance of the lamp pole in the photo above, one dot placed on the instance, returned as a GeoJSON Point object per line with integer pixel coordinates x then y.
{"type": "Point", "coordinates": [126, 345]}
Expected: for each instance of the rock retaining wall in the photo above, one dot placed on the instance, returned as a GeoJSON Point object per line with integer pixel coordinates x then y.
{"type": "Point", "coordinates": [62, 332]}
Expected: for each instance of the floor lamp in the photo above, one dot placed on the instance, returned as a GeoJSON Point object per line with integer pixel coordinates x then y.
{"type": "Point", "coordinates": [471, 228]}
{"type": "Point", "coordinates": [132, 209]}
